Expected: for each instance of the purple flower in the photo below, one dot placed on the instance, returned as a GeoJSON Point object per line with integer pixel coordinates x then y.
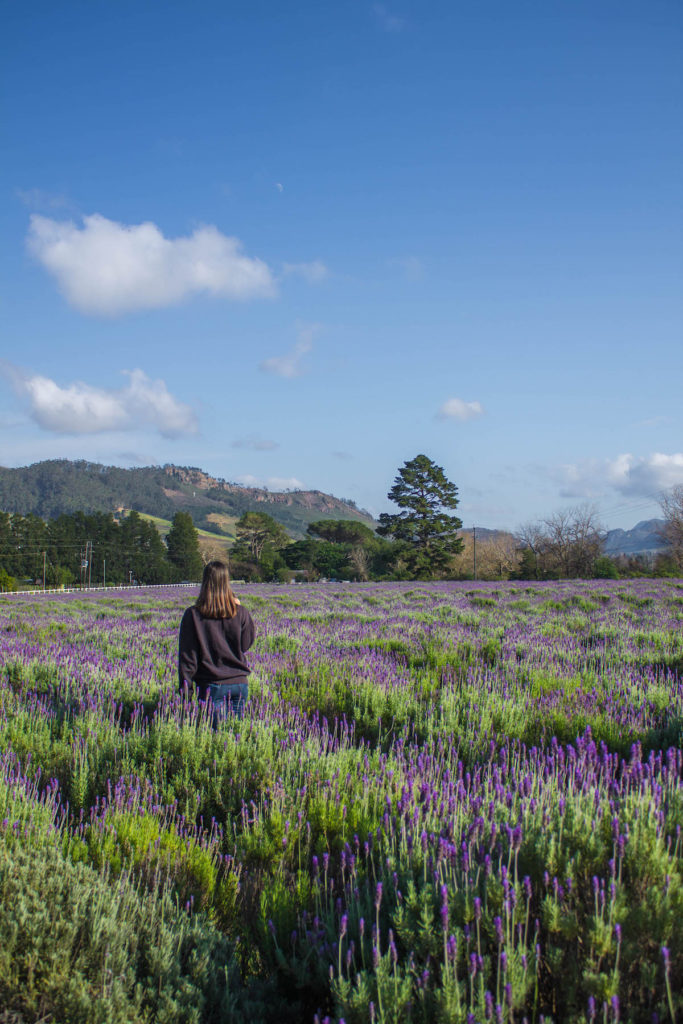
{"type": "Point", "coordinates": [393, 951]}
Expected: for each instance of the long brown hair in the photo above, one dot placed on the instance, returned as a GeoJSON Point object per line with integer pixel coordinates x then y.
{"type": "Point", "coordinates": [216, 599]}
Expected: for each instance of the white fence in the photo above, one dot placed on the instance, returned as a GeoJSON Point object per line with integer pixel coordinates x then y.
{"type": "Point", "coordinates": [85, 590]}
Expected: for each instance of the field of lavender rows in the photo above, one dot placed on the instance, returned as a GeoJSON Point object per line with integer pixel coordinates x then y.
{"type": "Point", "coordinates": [446, 802]}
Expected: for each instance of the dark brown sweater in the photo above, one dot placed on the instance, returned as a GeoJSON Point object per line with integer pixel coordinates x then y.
{"type": "Point", "coordinates": [212, 650]}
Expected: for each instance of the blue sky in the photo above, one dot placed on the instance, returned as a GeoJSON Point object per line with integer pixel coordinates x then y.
{"type": "Point", "coordinates": [298, 244]}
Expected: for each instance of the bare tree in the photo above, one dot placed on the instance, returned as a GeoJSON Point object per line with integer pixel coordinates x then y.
{"type": "Point", "coordinates": [567, 543]}
{"type": "Point", "coordinates": [587, 536]}
{"type": "Point", "coordinates": [505, 554]}
{"type": "Point", "coordinates": [532, 538]}
{"type": "Point", "coordinates": [461, 563]}
{"type": "Point", "coordinates": [671, 505]}
{"type": "Point", "coordinates": [497, 556]}
{"type": "Point", "coordinates": [359, 560]}
{"type": "Point", "coordinates": [557, 528]}
{"type": "Point", "coordinates": [211, 550]}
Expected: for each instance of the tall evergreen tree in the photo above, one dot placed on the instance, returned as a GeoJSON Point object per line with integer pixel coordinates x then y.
{"type": "Point", "coordinates": [6, 541]}
{"type": "Point", "coordinates": [182, 542]}
{"type": "Point", "coordinates": [29, 537]}
{"type": "Point", "coordinates": [428, 535]}
{"type": "Point", "coordinates": [144, 550]}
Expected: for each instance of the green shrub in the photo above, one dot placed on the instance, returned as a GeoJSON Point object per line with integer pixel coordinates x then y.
{"type": "Point", "coordinates": [7, 582]}
{"type": "Point", "coordinates": [77, 948]}
{"type": "Point", "coordinates": [605, 569]}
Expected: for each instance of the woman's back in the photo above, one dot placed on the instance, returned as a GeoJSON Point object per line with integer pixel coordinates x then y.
{"type": "Point", "coordinates": [213, 650]}
{"type": "Point", "coordinates": [215, 634]}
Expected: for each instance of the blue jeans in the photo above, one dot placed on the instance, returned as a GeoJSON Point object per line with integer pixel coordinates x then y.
{"type": "Point", "coordinates": [228, 699]}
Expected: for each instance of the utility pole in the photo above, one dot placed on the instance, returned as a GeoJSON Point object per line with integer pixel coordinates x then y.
{"type": "Point", "coordinates": [86, 564]}
{"type": "Point", "coordinates": [104, 572]}
{"type": "Point", "coordinates": [474, 549]}
{"type": "Point", "coordinates": [44, 561]}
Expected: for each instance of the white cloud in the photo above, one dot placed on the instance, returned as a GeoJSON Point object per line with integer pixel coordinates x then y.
{"type": "Point", "coordinates": [312, 272]}
{"type": "Point", "coordinates": [457, 409]}
{"type": "Point", "coordinates": [284, 483]}
{"type": "Point", "coordinates": [289, 365]}
{"type": "Point", "coordinates": [629, 475]}
{"type": "Point", "coordinates": [255, 443]}
{"type": "Point", "coordinates": [80, 408]}
{"type": "Point", "coordinates": [108, 268]}
{"type": "Point", "coordinates": [387, 21]}
{"type": "Point", "coordinates": [273, 483]}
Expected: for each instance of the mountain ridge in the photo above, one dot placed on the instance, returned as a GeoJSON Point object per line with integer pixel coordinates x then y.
{"type": "Point", "coordinates": [57, 486]}
{"type": "Point", "coordinates": [642, 539]}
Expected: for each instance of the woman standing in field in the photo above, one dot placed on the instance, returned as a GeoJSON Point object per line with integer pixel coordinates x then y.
{"type": "Point", "coordinates": [215, 633]}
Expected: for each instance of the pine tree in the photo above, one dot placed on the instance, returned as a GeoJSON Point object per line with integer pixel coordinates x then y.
{"type": "Point", "coordinates": [428, 536]}
{"type": "Point", "coordinates": [182, 542]}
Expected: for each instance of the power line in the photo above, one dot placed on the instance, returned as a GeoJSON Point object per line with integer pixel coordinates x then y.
{"type": "Point", "coordinates": [642, 501]}
{"type": "Point", "coordinates": [638, 504]}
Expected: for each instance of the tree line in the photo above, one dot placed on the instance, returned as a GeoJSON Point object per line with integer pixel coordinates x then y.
{"type": "Point", "coordinates": [423, 540]}
{"type": "Point", "coordinates": [569, 544]}
{"type": "Point", "coordinates": [95, 549]}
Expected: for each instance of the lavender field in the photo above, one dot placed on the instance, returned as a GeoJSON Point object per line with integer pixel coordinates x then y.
{"type": "Point", "coordinates": [446, 802]}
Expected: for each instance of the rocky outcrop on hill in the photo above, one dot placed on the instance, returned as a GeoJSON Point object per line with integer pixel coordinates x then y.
{"type": "Point", "coordinates": [50, 488]}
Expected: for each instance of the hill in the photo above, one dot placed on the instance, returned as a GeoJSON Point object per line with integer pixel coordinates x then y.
{"type": "Point", "coordinates": [643, 539]}
{"type": "Point", "coordinates": [57, 486]}
{"type": "Point", "coordinates": [211, 544]}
